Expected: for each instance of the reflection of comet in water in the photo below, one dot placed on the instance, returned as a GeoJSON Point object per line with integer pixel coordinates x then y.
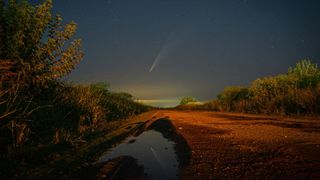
{"type": "Point", "coordinates": [159, 160]}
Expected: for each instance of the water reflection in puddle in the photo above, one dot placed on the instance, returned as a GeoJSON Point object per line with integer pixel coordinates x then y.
{"type": "Point", "coordinates": [151, 150]}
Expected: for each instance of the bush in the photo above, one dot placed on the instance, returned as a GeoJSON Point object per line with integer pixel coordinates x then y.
{"type": "Point", "coordinates": [35, 50]}
{"type": "Point", "coordinates": [296, 92]}
{"type": "Point", "coordinates": [35, 107]}
{"type": "Point", "coordinates": [187, 100]}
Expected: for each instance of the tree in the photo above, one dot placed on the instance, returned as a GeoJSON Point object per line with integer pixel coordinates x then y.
{"type": "Point", "coordinates": [187, 100]}
{"type": "Point", "coordinates": [35, 47]}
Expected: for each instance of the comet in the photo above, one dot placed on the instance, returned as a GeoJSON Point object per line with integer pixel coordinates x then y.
{"type": "Point", "coordinates": [178, 34]}
{"type": "Point", "coordinates": [172, 41]}
{"type": "Point", "coordinates": [155, 62]}
{"type": "Point", "coordinates": [163, 53]}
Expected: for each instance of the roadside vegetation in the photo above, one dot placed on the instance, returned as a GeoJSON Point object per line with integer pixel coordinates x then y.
{"type": "Point", "coordinates": [296, 92]}
{"type": "Point", "coordinates": [189, 103]}
{"type": "Point", "coordinates": [38, 109]}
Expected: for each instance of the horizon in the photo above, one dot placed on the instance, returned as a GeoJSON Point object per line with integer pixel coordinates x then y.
{"type": "Point", "coordinates": [172, 49]}
{"type": "Point", "coordinates": [161, 89]}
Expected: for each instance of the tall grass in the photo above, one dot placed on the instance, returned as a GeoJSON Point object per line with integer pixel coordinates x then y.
{"type": "Point", "coordinates": [61, 114]}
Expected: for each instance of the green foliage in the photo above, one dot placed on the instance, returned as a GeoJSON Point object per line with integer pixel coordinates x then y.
{"type": "Point", "coordinates": [100, 86]}
{"type": "Point", "coordinates": [37, 110]}
{"type": "Point", "coordinates": [36, 50]}
{"type": "Point", "coordinates": [118, 105]}
{"type": "Point", "coordinates": [213, 105]}
{"type": "Point", "coordinates": [78, 109]}
{"type": "Point", "coordinates": [187, 100]}
{"type": "Point", "coordinates": [296, 92]}
{"type": "Point", "coordinates": [233, 94]}
{"type": "Point", "coordinates": [307, 74]}
{"type": "Point", "coordinates": [63, 113]}
{"type": "Point", "coordinates": [35, 47]}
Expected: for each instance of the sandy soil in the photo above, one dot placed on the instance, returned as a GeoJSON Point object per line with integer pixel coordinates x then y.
{"type": "Point", "coordinates": [237, 146]}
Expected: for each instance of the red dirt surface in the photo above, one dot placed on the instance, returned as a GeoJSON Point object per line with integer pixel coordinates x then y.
{"type": "Point", "coordinates": [237, 146]}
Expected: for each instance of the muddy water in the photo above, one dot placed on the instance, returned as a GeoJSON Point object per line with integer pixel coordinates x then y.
{"type": "Point", "coordinates": [151, 150]}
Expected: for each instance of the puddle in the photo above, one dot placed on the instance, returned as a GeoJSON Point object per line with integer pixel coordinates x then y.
{"type": "Point", "coordinates": [151, 150]}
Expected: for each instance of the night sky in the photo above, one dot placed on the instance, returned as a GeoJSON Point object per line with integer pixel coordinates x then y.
{"type": "Point", "coordinates": [192, 47]}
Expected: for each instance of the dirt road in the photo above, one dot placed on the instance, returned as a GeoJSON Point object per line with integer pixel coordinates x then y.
{"type": "Point", "coordinates": [246, 146]}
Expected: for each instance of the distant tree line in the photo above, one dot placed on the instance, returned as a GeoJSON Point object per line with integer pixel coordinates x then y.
{"type": "Point", "coordinates": [188, 100]}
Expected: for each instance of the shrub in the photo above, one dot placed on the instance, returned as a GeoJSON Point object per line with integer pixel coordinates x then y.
{"type": "Point", "coordinates": [187, 100]}
{"type": "Point", "coordinates": [296, 92]}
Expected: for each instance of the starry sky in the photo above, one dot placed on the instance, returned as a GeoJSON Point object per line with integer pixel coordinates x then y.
{"type": "Point", "coordinates": [162, 50]}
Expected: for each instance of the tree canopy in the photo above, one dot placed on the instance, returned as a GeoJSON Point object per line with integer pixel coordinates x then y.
{"type": "Point", "coordinates": [35, 47]}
